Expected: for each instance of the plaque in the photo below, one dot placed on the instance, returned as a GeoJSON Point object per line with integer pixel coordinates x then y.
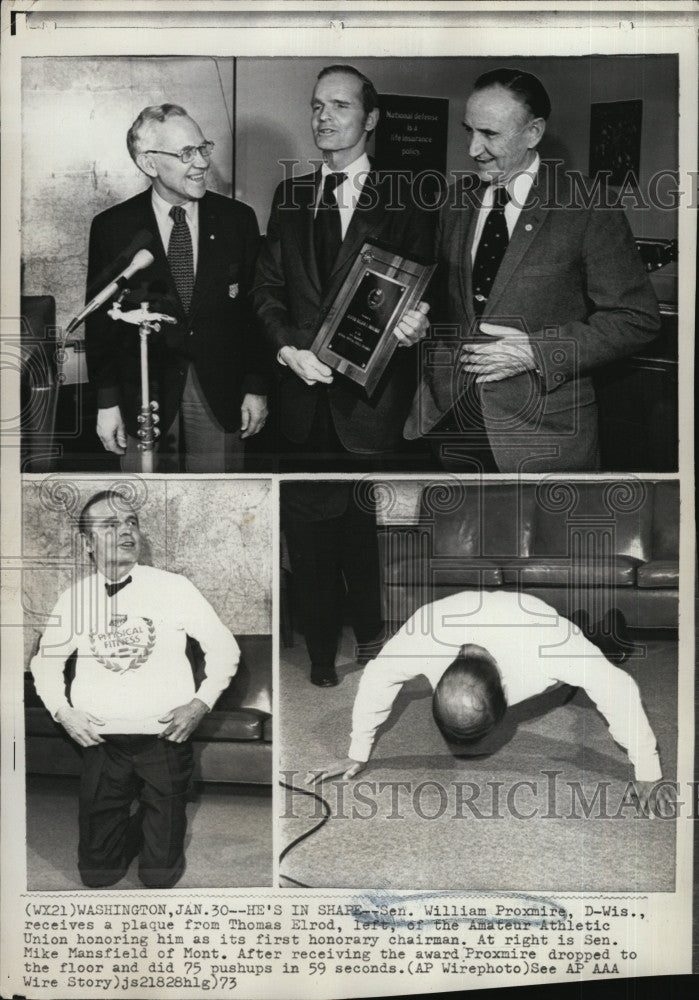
{"type": "Point", "coordinates": [356, 336]}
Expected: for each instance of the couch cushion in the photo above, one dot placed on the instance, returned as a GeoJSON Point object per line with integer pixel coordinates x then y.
{"type": "Point", "coordinates": [659, 573]}
{"type": "Point", "coordinates": [38, 722]}
{"type": "Point", "coordinates": [594, 517]}
{"type": "Point", "coordinates": [229, 725]}
{"type": "Point", "coordinates": [469, 520]}
{"type": "Point", "coordinates": [251, 687]}
{"type": "Point", "coordinates": [620, 572]}
{"type": "Point", "coordinates": [406, 569]}
{"type": "Point", "coordinates": [465, 573]}
{"type": "Point", "coordinates": [666, 521]}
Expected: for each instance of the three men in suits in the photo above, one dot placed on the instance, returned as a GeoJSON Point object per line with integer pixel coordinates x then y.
{"type": "Point", "coordinates": [317, 226]}
{"type": "Point", "coordinates": [204, 371]}
{"type": "Point", "coordinates": [537, 285]}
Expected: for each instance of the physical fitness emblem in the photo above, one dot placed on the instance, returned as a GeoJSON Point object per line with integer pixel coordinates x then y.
{"type": "Point", "coordinates": [125, 645]}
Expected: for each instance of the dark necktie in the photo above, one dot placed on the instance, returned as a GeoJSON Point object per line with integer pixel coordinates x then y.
{"type": "Point", "coordinates": [114, 588]}
{"type": "Point", "coordinates": [491, 250]}
{"type": "Point", "coordinates": [327, 229]}
{"type": "Point", "coordinates": [180, 256]}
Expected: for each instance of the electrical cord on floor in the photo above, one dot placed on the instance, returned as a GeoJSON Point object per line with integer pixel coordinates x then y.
{"type": "Point", "coordinates": [327, 813]}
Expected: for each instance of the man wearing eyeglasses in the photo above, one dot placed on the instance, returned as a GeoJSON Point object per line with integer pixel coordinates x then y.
{"type": "Point", "coordinates": [205, 371]}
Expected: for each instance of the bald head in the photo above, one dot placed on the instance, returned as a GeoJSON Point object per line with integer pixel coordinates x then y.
{"type": "Point", "coordinates": [469, 700]}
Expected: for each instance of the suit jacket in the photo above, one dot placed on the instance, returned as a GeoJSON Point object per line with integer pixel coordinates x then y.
{"type": "Point", "coordinates": [573, 280]}
{"type": "Point", "coordinates": [311, 500]}
{"type": "Point", "coordinates": [290, 306]}
{"type": "Point", "coordinates": [217, 336]}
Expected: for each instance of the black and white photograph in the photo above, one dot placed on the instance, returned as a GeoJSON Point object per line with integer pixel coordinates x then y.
{"type": "Point", "coordinates": [545, 341]}
{"type": "Point", "coordinates": [477, 680]}
{"type": "Point", "coordinates": [347, 497]}
{"type": "Point", "coordinates": [148, 685]}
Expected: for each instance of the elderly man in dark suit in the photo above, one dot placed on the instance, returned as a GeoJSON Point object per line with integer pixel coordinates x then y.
{"type": "Point", "coordinates": [317, 226]}
{"type": "Point", "coordinates": [206, 375]}
{"type": "Point", "coordinates": [538, 283]}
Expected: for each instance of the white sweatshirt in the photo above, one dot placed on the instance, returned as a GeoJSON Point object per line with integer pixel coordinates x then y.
{"type": "Point", "coordinates": [131, 667]}
{"type": "Point", "coordinates": [534, 648]}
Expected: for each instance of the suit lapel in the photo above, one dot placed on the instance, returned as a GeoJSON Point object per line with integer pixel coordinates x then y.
{"type": "Point", "coordinates": [302, 224]}
{"type": "Point", "coordinates": [367, 215]}
{"type": "Point", "coordinates": [530, 221]}
{"type": "Point", "coordinates": [160, 269]}
{"type": "Point", "coordinates": [206, 252]}
{"type": "Point", "coordinates": [464, 235]}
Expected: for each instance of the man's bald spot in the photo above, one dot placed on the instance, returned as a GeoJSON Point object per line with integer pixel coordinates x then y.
{"type": "Point", "coordinates": [469, 700]}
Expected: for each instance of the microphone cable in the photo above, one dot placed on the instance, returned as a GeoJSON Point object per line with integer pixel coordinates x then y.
{"type": "Point", "coordinates": [327, 814]}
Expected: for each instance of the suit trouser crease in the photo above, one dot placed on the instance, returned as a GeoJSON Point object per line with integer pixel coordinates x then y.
{"type": "Point", "coordinates": [195, 435]}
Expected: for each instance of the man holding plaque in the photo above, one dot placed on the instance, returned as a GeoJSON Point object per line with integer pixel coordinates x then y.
{"type": "Point", "coordinates": [539, 282]}
{"type": "Point", "coordinates": [317, 227]}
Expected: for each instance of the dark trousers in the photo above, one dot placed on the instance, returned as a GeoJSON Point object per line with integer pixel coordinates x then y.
{"type": "Point", "coordinates": [322, 451]}
{"type": "Point", "coordinates": [153, 772]}
{"type": "Point", "coordinates": [328, 557]}
{"type": "Point", "coordinates": [459, 441]}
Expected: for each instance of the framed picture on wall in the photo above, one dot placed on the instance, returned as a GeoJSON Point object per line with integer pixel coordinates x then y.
{"type": "Point", "coordinates": [615, 140]}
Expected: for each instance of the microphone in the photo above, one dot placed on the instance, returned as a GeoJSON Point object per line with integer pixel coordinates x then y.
{"type": "Point", "coordinates": [143, 258]}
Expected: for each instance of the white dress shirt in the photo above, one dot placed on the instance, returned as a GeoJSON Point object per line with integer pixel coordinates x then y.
{"type": "Point", "coordinates": [518, 189]}
{"type": "Point", "coordinates": [165, 223]}
{"type": "Point", "coordinates": [346, 194]}
{"type": "Point", "coordinates": [534, 648]}
{"type": "Point", "coordinates": [131, 667]}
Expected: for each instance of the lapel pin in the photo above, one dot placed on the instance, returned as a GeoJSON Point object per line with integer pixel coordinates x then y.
{"type": "Point", "coordinates": [528, 227]}
{"type": "Point", "coordinates": [233, 291]}
{"type": "Point", "coordinates": [212, 237]}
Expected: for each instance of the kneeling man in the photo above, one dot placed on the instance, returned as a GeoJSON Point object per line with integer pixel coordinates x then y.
{"type": "Point", "coordinates": [132, 704]}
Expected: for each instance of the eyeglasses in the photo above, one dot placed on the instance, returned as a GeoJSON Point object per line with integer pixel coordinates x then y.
{"type": "Point", "coordinates": [187, 154]}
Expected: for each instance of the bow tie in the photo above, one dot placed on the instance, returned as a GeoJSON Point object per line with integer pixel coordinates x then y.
{"type": "Point", "coordinates": [114, 588]}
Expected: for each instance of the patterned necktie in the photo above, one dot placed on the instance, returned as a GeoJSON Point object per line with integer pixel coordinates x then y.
{"type": "Point", "coordinates": [114, 588]}
{"type": "Point", "coordinates": [491, 250]}
{"type": "Point", "coordinates": [327, 228]}
{"type": "Point", "coordinates": [180, 256]}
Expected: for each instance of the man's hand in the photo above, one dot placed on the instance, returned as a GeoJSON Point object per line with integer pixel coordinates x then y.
{"type": "Point", "coordinates": [413, 326]}
{"type": "Point", "coordinates": [253, 414]}
{"type": "Point", "coordinates": [183, 720]}
{"type": "Point", "coordinates": [80, 726]}
{"type": "Point", "coordinates": [509, 353]}
{"type": "Point", "coordinates": [655, 798]}
{"type": "Point", "coordinates": [346, 768]}
{"type": "Point", "coordinates": [111, 430]}
{"type": "Point", "coordinates": [306, 365]}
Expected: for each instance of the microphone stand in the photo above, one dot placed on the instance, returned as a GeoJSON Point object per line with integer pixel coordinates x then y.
{"type": "Point", "coordinates": [147, 323]}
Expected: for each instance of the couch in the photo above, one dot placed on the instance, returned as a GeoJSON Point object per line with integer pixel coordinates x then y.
{"type": "Point", "coordinates": [232, 744]}
{"type": "Point", "coordinates": [577, 545]}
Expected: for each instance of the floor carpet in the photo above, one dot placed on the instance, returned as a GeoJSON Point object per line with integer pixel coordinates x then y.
{"type": "Point", "coordinates": [406, 822]}
{"type": "Point", "coordinates": [228, 844]}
